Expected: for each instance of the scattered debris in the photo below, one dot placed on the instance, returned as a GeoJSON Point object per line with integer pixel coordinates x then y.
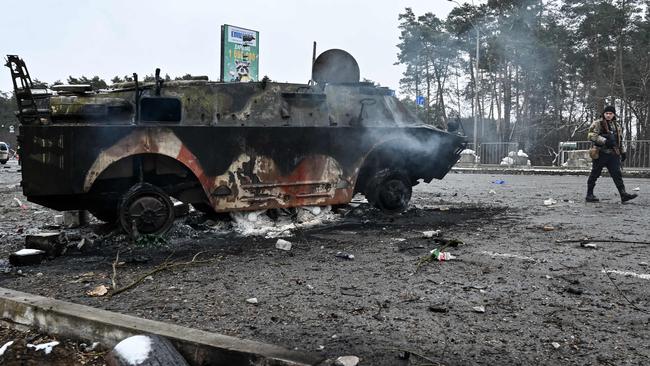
{"type": "Point", "coordinates": [508, 255]}
{"type": "Point", "coordinates": [252, 300]}
{"type": "Point", "coordinates": [167, 265]}
{"type": "Point", "coordinates": [344, 255]}
{"type": "Point", "coordinates": [549, 202]}
{"type": "Point", "coordinates": [84, 244]}
{"type": "Point", "coordinates": [20, 204]}
{"type": "Point", "coordinates": [574, 290]}
{"type": "Point", "coordinates": [438, 308]}
{"type": "Point", "coordinates": [283, 244]}
{"type": "Point", "coordinates": [45, 347]}
{"type": "Point", "coordinates": [76, 218]}
{"type": "Point", "coordinates": [449, 242]}
{"type": "Point", "coordinates": [5, 346]}
{"type": "Point", "coordinates": [499, 181]}
{"type": "Point", "coordinates": [58, 220]}
{"type": "Point", "coordinates": [626, 273]}
{"type": "Point", "coordinates": [589, 245]}
{"type": "Point", "coordinates": [431, 233]}
{"type": "Point", "coordinates": [588, 240]}
{"type": "Point", "coordinates": [280, 223]}
{"type": "Point", "coordinates": [87, 348]}
{"type": "Point", "coordinates": [637, 189]}
{"type": "Point", "coordinates": [404, 355]}
{"type": "Point", "coordinates": [643, 264]}
{"type": "Point", "coordinates": [26, 257]}
{"type": "Point", "coordinates": [98, 291]}
{"type": "Point", "coordinates": [548, 228]}
{"type": "Point", "coordinates": [181, 209]}
{"type": "Point", "coordinates": [441, 256]}
{"type": "Point", "coordinates": [479, 309]}
{"type": "Point", "coordinates": [555, 345]}
{"type": "Point", "coordinates": [492, 191]}
{"type": "Point", "coordinates": [52, 243]}
{"type": "Point", "coordinates": [347, 361]}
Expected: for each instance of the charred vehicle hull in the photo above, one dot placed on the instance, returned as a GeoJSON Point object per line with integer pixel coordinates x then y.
{"type": "Point", "coordinates": [121, 153]}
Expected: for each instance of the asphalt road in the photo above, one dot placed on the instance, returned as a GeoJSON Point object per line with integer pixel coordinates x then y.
{"type": "Point", "coordinates": [513, 294]}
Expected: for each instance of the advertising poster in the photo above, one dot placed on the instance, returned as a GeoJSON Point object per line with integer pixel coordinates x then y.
{"type": "Point", "coordinates": [239, 54]}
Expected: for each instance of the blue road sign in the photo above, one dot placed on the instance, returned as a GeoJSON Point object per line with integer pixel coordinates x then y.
{"type": "Point", "coordinates": [419, 100]}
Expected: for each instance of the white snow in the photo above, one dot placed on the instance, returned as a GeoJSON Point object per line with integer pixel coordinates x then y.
{"type": "Point", "coordinates": [5, 346]}
{"type": "Point", "coordinates": [507, 161]}
{"type": "Point", "coordinates": [431, 233]}
{"type": "Point", "coordinates": [626, 273]}
{"type": "Point", "coordinates": [508, 255]}
{"type": "Point", "coordinates": [549, 202]}
{"type": "Point", "coordinates": [29, 252]}
{"type": "Point", "coordinates": [522, 154]}
{"type": "Point", "coordinates": [47, 347]}
{"type": "Point", "coordinates": [134, 350]}
{"type": "Point", "coordinates": [468, 152]}
{"type": "Point", "coordinates": [260, 224]}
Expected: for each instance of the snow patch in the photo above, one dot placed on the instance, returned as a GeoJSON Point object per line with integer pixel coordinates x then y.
{"type": "Point", "coordinates": [134, 350]}
{"type": "Point", "coordinates": [508, 255]}
{"type": "Point", "coordinates": [259, 224]}
{"type": "Point", "coordinates": [5, 346]}
{"type": "Point", "coordinates": [29, 252]}
{"type": "Point", "coordinates": [47, 347]}
{"type": "Point", "coordinates": [626, 273]}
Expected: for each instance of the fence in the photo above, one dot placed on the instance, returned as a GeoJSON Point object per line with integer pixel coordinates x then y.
{"type": "Point", "coordinates": [638, 152]}
{"type": "Point", "coordinates": [493, 152]}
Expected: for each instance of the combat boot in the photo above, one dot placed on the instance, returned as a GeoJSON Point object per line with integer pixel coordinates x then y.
{"type": "Point", "coordinates": [590, 193]}
{"type": "Point", "coordinates": [627, 196]}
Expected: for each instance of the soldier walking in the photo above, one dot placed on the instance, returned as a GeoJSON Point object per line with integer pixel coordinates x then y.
{"type": "Point", "coordinates": [607, 151]}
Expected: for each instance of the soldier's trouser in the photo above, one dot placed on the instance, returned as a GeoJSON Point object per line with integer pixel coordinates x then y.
{"type": "Point", "coordinates": [613, 164]}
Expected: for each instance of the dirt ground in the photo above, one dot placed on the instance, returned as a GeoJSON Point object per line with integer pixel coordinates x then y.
{"type": "Point", "coordinates": [513, 294]}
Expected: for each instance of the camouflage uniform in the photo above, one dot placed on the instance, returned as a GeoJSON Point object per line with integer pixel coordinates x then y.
{"type": "Point", "coordinates": [608, 156]}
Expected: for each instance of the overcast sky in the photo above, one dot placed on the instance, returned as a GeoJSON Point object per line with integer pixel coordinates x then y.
{"type": "Point", "coordinates": [118, 37]}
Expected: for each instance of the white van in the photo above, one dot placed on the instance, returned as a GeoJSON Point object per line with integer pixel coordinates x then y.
{"type": "Point", "coordinates": [4, 152]}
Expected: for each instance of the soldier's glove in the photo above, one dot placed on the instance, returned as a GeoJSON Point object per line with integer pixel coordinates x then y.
{"type": "Point", "coordinates": [611, 141]}
{"type": "Point", "coordinates": [623, 156]}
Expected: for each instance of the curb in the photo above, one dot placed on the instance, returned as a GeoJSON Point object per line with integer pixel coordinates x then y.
{"type": "Point", "coordinates": [87, 323]}
{"type": "Point", "coordinates": [548, 171]}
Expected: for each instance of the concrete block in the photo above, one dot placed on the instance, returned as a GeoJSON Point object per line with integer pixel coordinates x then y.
{"type": "Point", "coordinates": [198, 347]}
{"type": "Point", "coordinates": [52, 243]}
{"type": "Point", "coordinates": [26, 257]}
{"type": "Point", "coordinates": [75, 218]}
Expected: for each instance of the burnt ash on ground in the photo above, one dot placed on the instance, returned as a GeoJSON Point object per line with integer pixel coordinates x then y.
{"type": "Point", "coordinates": [513, 294]}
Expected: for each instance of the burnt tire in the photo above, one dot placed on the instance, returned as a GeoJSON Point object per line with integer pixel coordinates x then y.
{"type": "Point", "coordinates": [389, 190]}
{"type": "Point", "coordinates": [147, 209]}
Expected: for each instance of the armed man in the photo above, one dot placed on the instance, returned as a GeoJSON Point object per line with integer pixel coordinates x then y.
{"type": "Point", "coordinates": [607, 151]}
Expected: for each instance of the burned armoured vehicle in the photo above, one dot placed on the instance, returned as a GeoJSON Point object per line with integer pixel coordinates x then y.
{"type": "Point", "coordinates": [122, 153]}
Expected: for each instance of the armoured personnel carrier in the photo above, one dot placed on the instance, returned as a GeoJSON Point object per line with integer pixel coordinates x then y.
{"type": "Point", "coordinates": [121, 153]}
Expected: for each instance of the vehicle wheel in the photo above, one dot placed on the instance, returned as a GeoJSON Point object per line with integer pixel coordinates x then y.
{"type": "Point", "coordinates": [3, 161]}
{"type": "Point", "coordinates": [147, 209]}
{"type": "Point", "coordinates": [389, 190]}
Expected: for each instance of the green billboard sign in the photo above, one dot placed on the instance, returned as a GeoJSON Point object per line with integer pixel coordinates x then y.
{"type": "Point", "coordinates": [239, 54]}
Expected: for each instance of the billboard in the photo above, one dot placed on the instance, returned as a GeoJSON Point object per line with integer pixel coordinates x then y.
{"type": "Point", "coordinates": [239, 54]}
